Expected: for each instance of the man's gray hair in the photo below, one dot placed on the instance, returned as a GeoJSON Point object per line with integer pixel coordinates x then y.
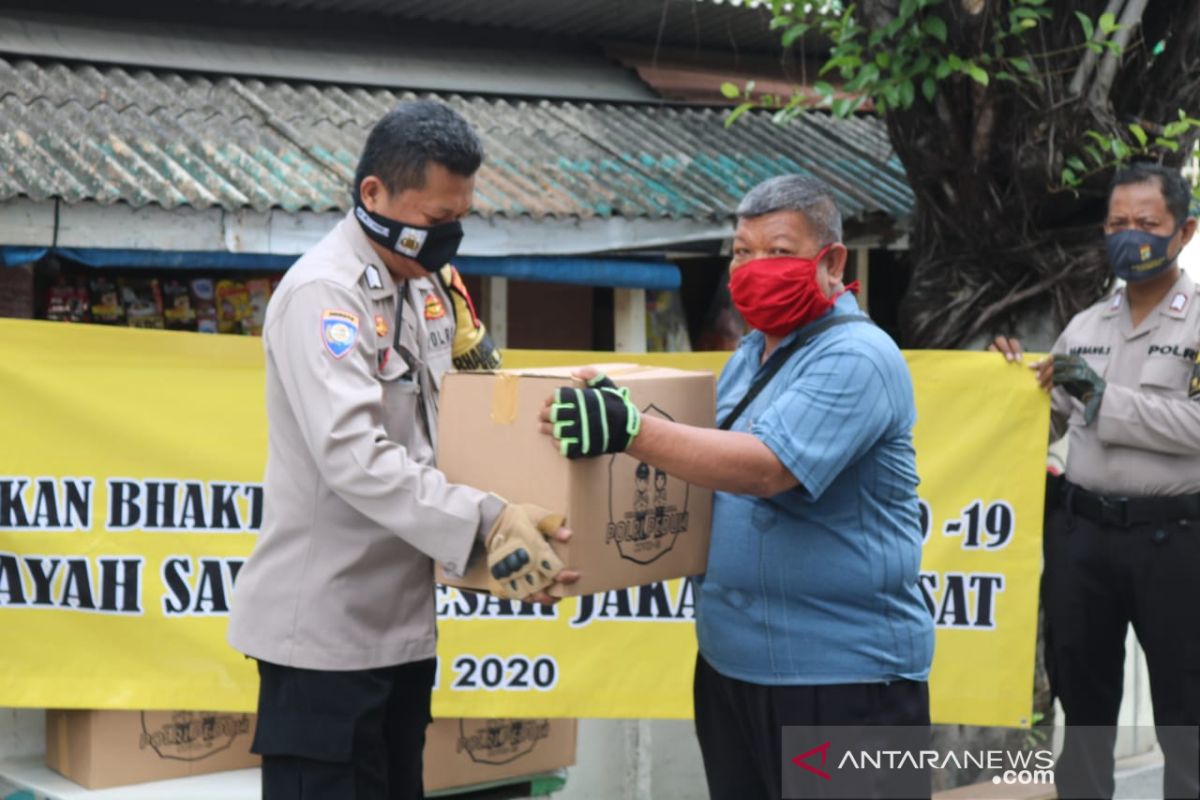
{"type": "Point", "coordinates": [809, 196]}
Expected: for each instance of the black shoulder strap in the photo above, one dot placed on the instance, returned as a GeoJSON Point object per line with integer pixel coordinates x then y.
{"type": "Point", "coordinates": [782, 356]}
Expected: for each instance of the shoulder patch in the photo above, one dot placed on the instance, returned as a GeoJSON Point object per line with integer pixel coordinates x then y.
{"type": "Point", "coordinates": [339, 331]}
{"type": "Point", "coordinates": [1179, 302]}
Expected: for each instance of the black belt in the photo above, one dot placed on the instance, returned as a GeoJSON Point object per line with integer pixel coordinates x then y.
{"type": "Point", "coordinates": [1126, 512]}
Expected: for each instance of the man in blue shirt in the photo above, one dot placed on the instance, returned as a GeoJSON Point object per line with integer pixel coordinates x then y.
{"type": "Point", "coordinates": [810, 611]}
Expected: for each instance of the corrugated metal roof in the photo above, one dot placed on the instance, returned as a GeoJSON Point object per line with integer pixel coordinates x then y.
{"type": "Point", "coordinates": [723, 24]}
{"type": "Point", "coordinates": [108, 135]}
{"type": "Point", "coordinates": [437, 61]}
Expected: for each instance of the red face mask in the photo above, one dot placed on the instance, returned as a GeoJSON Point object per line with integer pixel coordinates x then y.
{"type": "Point", "coordinates": [778, 295]}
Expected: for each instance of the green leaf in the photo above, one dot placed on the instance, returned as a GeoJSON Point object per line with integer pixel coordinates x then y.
{"type": "Point", "coordinates": [1096, 48]}
{"type": "Point", "coordinates": [1170, 144]}
{"type": "Point", "coordinates": [977, 74]}
{"type": "Point", "coordinates": [843, 62]}
{"type": "Point", "coordinates": [1029, 23]}
{"type": "Point", "coordinates": [1099, 137]}
{"type": "Point", "coordinates": [1089, 29]}
{"type": "Point", "coordinates": [1076, 163]}
{"type": "Point", "coordinates": [1094, 154]}
{"type": "Point", "coordinates": [841, 107]}
{"type": "Point", "coordinates": [1139, 133]}
{"type": "Point", "coordinates": [1173, 129]}
{"type": "Point", "coordinates": [907, 94]}
{"type": "Point", "coordinates": [935, 27]}
{"type": "Point", "coordinates": [823, 88]}
{"type": "Point", "coordinates": [793, 33]}
{"type": "Point", "coordinates": [943, 70]}
{"type": "Point", "coordinates": [883, 59]}
{"type": "Point", "coordinates": [1006, 76]}
{"type": "Point", "coordinates": [737, 112]}
{"type": "Point", "coordinates": [1021, 64]}
{"type": "Point", "coordinates": [929, 88]}
{"type": "Point", "coordinates": [1108, 23]}
{"type": "Point", "coordinates": [730, 90]}
{"type": "Point", "coordinates": [1068, 178]}
{"type": "Point", "coordinates": [1113, 47]}
{"type": "Point", "coordinates": [955, 62]}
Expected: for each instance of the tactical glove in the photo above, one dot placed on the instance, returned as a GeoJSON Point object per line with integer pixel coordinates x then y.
{"type": "Point", "coordinates": [1080, 381]}
{"type": "Point", "coordinates": [473, 348]}
{"type": "Point", "coordinates": [593, 421]}
{"type": "Point", "coordinates": [520, 560]}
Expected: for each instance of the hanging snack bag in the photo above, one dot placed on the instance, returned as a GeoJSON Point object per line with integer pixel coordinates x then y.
{"type": "Point", "coordinates": [142, 299]}
{"type": "Point", "coordinates": [204, 303]}
{"type": "Point", "coordinates": [106, 302]}
{"type": "Point", "coordinates": [233, 306]}
{"type": "Point", "coordinates": [178, 314]}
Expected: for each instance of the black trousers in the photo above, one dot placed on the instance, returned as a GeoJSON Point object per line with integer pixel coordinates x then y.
{"type": "Point", "coordinates": [740, 728]}
{"type": "Point", "coordinates": [356, 735]}
{"type": "Point", "coordinates": [1097, 580]}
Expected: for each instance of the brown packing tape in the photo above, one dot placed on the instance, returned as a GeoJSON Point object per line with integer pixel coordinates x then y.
{"type": "Point", "coordinates": [505, 391]}
{"type": "Point", "coordinates": [504, 399]}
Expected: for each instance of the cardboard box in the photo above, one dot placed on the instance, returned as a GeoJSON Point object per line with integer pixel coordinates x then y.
{"type": "Point", "coordinates": [631, 524]}
{"type": "Point", "coordinates": [99, 749]}
{"type": "Point", "coordinates": [466, 752]}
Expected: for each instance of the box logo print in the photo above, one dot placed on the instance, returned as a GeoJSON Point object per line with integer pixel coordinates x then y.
{"type": "Point", "coordinates": [191, 735]}
{"type": "Point", "coordinates": [500, 741]}
{"type": "Point", "coordinates": [647, 529]}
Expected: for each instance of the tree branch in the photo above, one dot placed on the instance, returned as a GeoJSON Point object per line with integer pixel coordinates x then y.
{"type": "Point", "coordinates": [1084, 70]}
{"type": "Point", "coordinates": [1107, 72]}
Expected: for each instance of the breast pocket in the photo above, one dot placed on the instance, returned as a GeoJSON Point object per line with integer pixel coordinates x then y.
{"type": "Point", "coordinates": [401, 411]}
{"type": "Point", "coordinates": [1166, 375]}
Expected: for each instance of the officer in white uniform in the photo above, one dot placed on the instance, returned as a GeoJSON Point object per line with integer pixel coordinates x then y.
{"type": "Point", "coordinates": [1123, 530]}
{"type": "Point", "coordinates": [336, 601]}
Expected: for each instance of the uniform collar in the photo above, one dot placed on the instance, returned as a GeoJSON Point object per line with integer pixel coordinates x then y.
{"type": "Point", "coordinates": [375, 276]}
{"type": "Point", "coordinates": [1175, 304]}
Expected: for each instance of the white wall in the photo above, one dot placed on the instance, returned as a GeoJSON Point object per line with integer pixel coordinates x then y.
{"type": "Point", "coordinates": [1189, 259]}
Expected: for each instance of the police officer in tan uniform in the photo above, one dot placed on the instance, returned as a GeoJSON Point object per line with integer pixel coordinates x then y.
{"type": "Point", "coordinates": [337, 600]}
{"type": "Point", "coordinates": [1123, 533]}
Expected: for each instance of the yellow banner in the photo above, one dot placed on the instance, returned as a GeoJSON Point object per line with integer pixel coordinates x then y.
{"type": "Point", "coordinates": [130, 493]}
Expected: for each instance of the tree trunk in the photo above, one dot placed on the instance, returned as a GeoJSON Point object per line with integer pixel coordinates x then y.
{"type": "Point", "coordinates": [996, 245]}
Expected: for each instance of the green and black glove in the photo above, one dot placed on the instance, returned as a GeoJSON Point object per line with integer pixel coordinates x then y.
{"type": "Point", "coordinates": [1080, 381]}
{"type": "Point", "coordinates": [593, 421]}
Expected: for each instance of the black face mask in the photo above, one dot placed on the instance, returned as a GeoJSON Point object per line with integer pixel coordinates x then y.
{"type": "Point", "coordinates": [432, 248]}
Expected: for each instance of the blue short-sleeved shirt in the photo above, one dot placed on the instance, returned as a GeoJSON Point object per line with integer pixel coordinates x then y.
{"type": "Point", "coordinates": [818, 585]}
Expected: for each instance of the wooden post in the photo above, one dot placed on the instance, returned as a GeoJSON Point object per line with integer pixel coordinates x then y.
{"type": "Point", "coordinates": [629, 320]}
{"type": "Point", "coordinates": [495, 308]}
{"type": "Point", "coordinates": [862, 273]}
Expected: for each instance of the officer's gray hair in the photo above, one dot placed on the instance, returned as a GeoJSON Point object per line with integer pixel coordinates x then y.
{"type": "Point", "coordinates": [809, 196]}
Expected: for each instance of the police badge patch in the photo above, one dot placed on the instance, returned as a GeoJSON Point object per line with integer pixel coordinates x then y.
{"type": "Point", "coordinates": [1194, 385]}
{"type": "Point", "coordinates": [411, 241]}
{"type": "Point", "coordinates": [339, 331]}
